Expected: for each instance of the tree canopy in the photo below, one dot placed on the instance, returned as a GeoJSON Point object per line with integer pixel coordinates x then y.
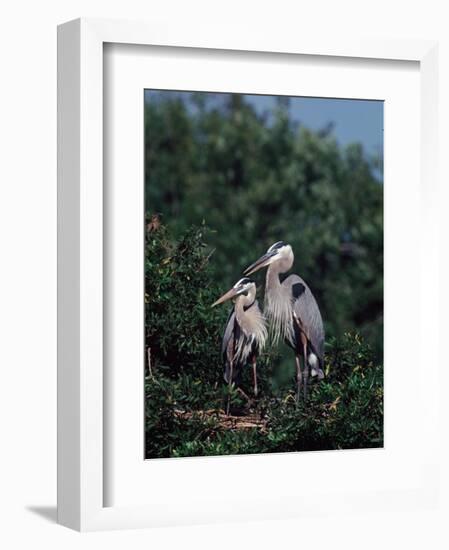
{"type": "Point", "coordinates": [258, 178]}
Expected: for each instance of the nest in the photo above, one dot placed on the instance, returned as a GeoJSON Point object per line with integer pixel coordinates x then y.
{"type": "Point", "coordinates": [227, 421]}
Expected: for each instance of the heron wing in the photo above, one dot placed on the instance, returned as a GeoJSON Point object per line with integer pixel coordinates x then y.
{"type": "Point", "coordinates": [306, 309]}
{"type": "Point", "coordinates": [228, 333]}
{"type": "Point", "coordinates": [231, 334]}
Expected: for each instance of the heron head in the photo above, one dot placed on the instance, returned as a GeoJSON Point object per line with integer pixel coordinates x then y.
{"type": "Point", "coordinates": [242, 287]}
{"type": "Point", "coordinates": [278, 252]}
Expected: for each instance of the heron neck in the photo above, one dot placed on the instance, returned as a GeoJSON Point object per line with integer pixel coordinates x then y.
{"type": "Point", "coordinates": [244, 302]}
{"type": "Point", "coordinates": [273, 281]}
{"type": "Point", "coordinates": [240, 308]}
{"type": "Point", "coordinates": [278, 307]}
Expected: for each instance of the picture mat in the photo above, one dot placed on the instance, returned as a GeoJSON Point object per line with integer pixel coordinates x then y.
{"type": "Point", "coordinates": [129, 479]}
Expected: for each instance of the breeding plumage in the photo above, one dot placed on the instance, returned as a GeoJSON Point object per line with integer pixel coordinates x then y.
{"type": "Point", "coordinates": [245, 334]}
{"type": "Point", "coordinates": [292, 312]}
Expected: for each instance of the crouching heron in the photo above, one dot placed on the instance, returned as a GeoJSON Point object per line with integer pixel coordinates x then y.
{"type": "Point", "coordinates": [292, 312]}
{"type": "Point", "coordinates": [245, 334]}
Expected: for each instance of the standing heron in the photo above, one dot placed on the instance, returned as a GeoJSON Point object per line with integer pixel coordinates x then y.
{"type": "Point", "coordinates": [245, 333]}
{"type": "Point", "coordinates": [293, 312]}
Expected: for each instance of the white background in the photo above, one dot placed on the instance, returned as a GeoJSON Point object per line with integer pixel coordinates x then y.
{"type": "Point", "coordinates": [28, 271]}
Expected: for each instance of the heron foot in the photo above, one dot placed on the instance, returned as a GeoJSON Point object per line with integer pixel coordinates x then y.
{"type": "Point", "coordinates": [298, 379]}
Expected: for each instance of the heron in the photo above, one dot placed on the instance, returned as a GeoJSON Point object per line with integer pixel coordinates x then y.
{"type": "Point", "coordinates": [245, 334]}
{"type": "Point", "coordinates": [292, 312]}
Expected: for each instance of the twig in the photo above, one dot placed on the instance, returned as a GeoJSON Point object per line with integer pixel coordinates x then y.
{"type": "Point", "coordinates": [150, 370]}
{"type": "Point", "coordinates": [207, 258]}
{"type": "Point", "coordinates": [226, 421]}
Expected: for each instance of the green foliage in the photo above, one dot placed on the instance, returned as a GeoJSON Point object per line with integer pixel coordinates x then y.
{"type": "Point", "coordinates": [345, 410]}
{"type": "Point", "coordinates": [182, 330]}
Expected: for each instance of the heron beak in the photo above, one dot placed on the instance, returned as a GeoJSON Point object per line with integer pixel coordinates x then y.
{"type": "Point", "coordinates": [263, 261]}
{"type": "Point", "coordinates": [230, 294]}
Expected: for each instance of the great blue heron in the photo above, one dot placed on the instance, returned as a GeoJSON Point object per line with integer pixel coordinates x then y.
{"type": "Point", "coordinates": [293, 312]}
{"type": "Point", "coordinates": [245, 333]}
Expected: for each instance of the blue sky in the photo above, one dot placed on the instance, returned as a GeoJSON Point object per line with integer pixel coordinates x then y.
{"type": "Point", "coordinates": [353, 120]}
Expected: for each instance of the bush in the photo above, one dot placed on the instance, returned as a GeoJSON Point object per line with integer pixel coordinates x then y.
{"type": "Point", "coordinates": [182, 330]}
{"type": "Point", "coordinates": [185, 392]}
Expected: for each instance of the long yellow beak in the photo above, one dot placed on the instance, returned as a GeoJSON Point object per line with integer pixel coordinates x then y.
{"type": "Point", "coordinates": [230, 294]}
{"type": "Point", "coordinates": [263, 261]}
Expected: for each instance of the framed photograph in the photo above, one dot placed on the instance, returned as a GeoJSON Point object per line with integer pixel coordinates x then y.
{"type": "Point", "coordinates": [245, 246]}
{"type": "Point", "coordinates": [238, 183]}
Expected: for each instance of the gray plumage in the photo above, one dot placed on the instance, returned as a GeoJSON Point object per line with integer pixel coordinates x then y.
{"type": "Point", "coordinates": [292, 311]}
{"type": "Point", "coordinates": [243, 339]}
{"type": "Point", "coordinates": [245, 333]}
{"type": "Point", "coordinates": [306, 309]}
{"type": "Point", "coordinates": [228, 336]}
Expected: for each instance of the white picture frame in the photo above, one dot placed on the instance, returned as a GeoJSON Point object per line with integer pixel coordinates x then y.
{"type": "Point", "coordinates": [81, 404]}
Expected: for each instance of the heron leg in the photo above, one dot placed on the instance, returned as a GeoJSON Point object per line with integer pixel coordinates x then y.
{"type": "Point", "coordinates": [231, 374]}
{"type": "Point", "coordinates": [306, 370]}
{"type": "Point", "coordinates": [298, 377]}
{"type": "Point", "coordinates": [243, 394]}
{"type": "Point", "coordinates": [255, 375]}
